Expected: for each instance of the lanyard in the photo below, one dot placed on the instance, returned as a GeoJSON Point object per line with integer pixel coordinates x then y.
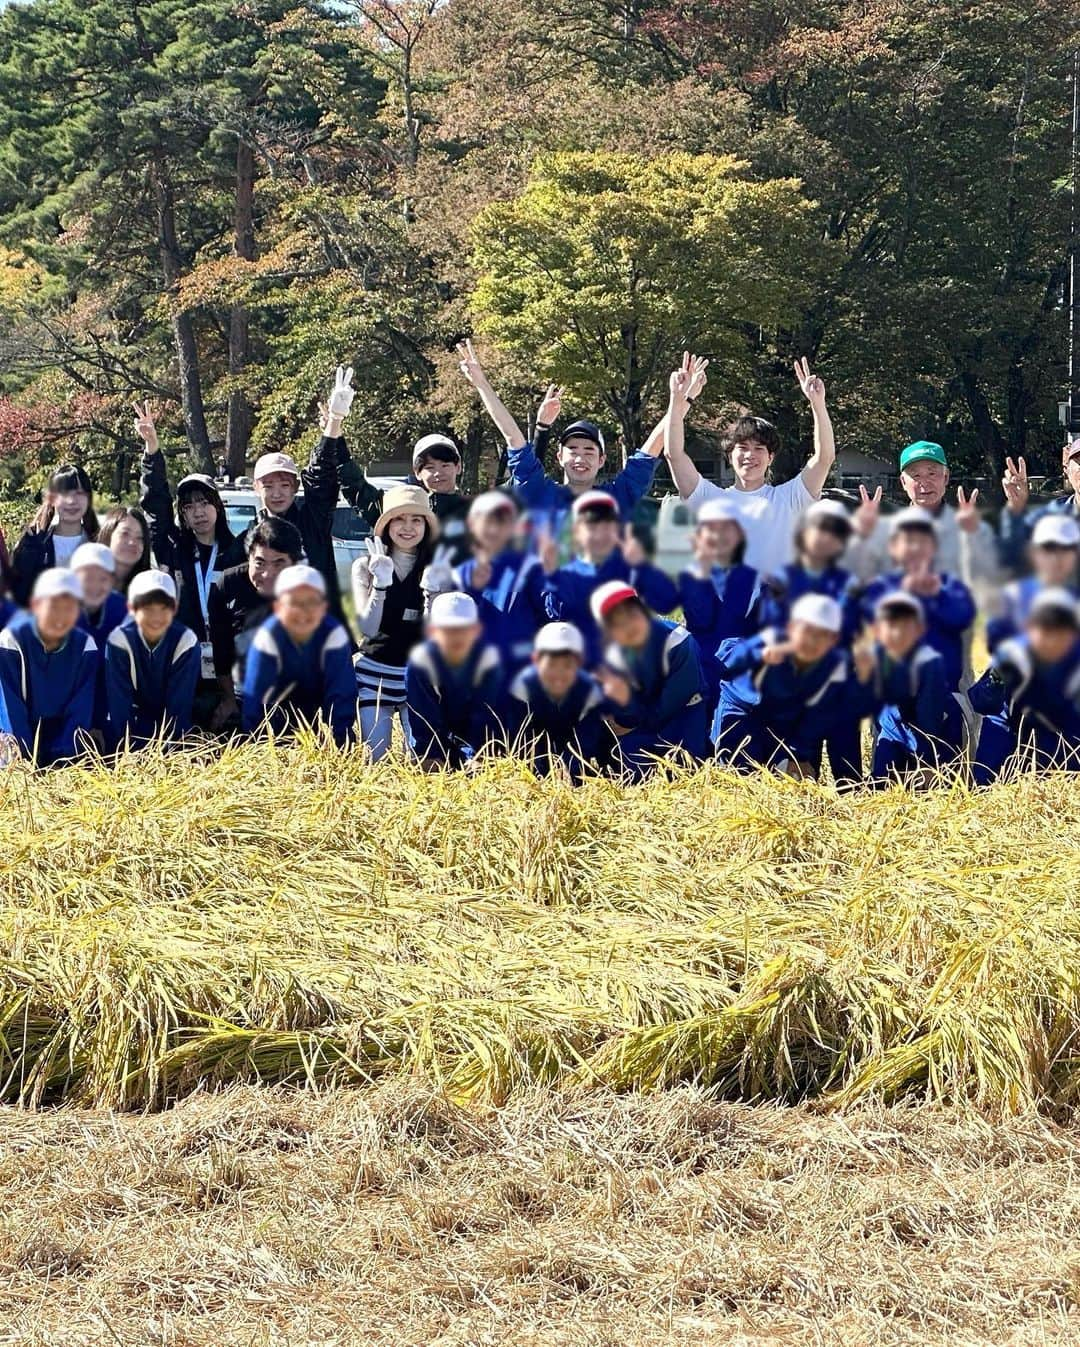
{"type": "Point", "coordinates": [204, 579]}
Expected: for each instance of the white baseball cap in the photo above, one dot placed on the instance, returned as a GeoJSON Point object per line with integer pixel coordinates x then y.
{"type": "Point", "coordinates": [56, 581]}
{"type": "Point", "coordinates": [433, 441]}
{"type": "Point", "coordinates": [819, 611]}
{"type": "Point", "coordinates": [275, 463]}
{"type": "Point", "coordinates": [151, 582]}
{"type": "Point", "coordinates": [1056, 530]}
{"type": "Point", "coordinates": [719, 511]}
{"type": "Point", "coordinates": [299, 577]}
{"type": "Point", "coordinates": [912, 517]}
{"type": "Point", "coordinates": [452, 610]}
{"type": "Point", "coordinates": [1055, 599]}
{"type": "Point", "coordinates": [491, 502]}
{"type": "Point", "coordinates": [828, 509]}
{"type": "Point", "coordinates": [900, 598]}
{"type": "Point", "coordinates": [559, 638]}
{"type": "Point", "coordinates": [93, 554]}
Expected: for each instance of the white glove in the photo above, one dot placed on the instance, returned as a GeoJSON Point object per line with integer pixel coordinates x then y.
{"type": "Point", "coordinates": [438, 578]}
{"type": "Point", "coordinates": [380, 564]}
{"type": "Point", "coordinates": [342, 394]}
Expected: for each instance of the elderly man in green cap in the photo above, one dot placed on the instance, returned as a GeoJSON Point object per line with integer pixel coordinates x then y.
{"type": "Point", "coordinates": [966, 544]}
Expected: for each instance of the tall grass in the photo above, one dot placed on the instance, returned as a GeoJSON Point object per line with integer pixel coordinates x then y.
{"type": "Point", "coordinates": [292, 914]}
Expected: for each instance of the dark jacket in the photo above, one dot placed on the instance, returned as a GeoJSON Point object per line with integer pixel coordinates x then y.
{"type": "Point", "coordinates": [34, 553]}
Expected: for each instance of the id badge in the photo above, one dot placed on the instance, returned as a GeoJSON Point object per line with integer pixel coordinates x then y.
{"type": "Point", "coordinates": [206, 652]}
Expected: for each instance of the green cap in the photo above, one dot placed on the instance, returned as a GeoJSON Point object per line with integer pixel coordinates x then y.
{"type": "Point", "coordinates": [921, 449]}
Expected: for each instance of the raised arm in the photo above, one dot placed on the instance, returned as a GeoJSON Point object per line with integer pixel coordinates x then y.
{"type": "Point", "coordinates": [824, 455]}
{"type": "Point", "coordinates": [683, 385]}
{"type": "Point", "coordinates": [507, 427]}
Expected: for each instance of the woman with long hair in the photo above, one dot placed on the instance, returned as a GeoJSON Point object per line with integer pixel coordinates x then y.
{"type": "Point", "coordinates": [64, 521]}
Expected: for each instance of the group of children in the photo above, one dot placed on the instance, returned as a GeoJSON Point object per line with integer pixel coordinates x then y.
{"type": "Point", "coordinates": [530, 618]}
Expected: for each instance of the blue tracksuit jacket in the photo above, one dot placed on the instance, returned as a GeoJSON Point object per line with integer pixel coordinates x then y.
{"type": "Point", "coordinates": [1016, 600]}
{"type": "Point", "coordinates": [1027, 705]}
{"type": "Point", "coordinates": [46, 697]}
{"type": "Point", "coordinates": [948, 616]}
{"type": "Point", "coordinates": [717, 607]}
{"type": "Point", "coordinates": [150, 692]}
{"type": "Point", "coordinates": [568, 590]}
{"type": "Point", "coordinates": [779, 592]}
{"type": "Point", "coordinates": [571, 731]}
{"type": "Point", "coordinates": [511, 605]}
{"type": "Point", "coordinates": [101, 626]}
{"type": "Point", "coordinates": [284, 682]}
{"type": "Point", "coordinates": [454, 710]}
{"type": "Point", "coordinates": [549, 501]}
{"type": "Point", "coordinates": [917, 721]}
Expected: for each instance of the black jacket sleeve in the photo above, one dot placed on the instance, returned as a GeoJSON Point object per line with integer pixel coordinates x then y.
{"type": "Point", "coordinates": [321, 482]}
{"type": "Point", "coordinates": [156, 502]}
{"type": "Point", "coordinates": [33, 554]}
{"type": "Point", "coordinates": [365, 499]}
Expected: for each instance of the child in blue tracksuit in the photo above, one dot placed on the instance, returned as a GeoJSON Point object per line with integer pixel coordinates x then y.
{"type": "Point", "coordinates": [782, 695]}
{"type": "Point", "coordinates": [718, 593]}
{"type": "Point", "coordinates": [820, 541]}
{"type": "Point", "coordinates": [947, 602]}
{"type": "Point", "coordinates": [104, 608]}
{"type": "Point", "coordinates": [1029, 698]}
{"type": "Point", "coordinates": [454, 686]}
{"type": "Point", "coordinates": [601, 559]}
{"type": "Point", "coordinates": [152, 664]}
{"type": "Point", "coordinates": [299, 665]}
{"type": "Point", "coordinates": [903, 685]}
{"type": "Point", "coordinates": [653, 679]}
{"type": "Point", "coordinates": [555, 710]}
{"type": "Point", "coordinates": [1055, 547]}
{"type": "Point", "coordinates": [506, 583]}
{"type": "Point", "coordinates": [48, 669]}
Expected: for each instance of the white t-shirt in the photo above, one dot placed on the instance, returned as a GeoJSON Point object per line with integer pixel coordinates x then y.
{"type": "Point", "coordinates": [768, 516]}
{"type": "Point", "coordinates": [64, 547]}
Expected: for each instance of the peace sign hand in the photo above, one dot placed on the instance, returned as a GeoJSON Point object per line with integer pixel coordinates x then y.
{"type": "Point", "coordinates": [469, 363]}
{"type": "Point", "coordinates": [547, 550]}
{"type": "Point", "coordinates": [813, 388]}
{"type": "Point", "coordinates": [438, 577]}
{"type": "Point", "coordinates": [866, 516]}
{"type": "Point", "coordinates": [695, 366]}
{"type": "Point", "coordinates": [550, 406]}
{"type": "Point", "coordinates": [967, 516]}
{"type": "Point", "coordinates": [634, 553]}
{"type": "Point", "coordinates": [145, 428]}
{"type": "Point", "coordinates": [342, 394]}
{"type": "Point", "coordinates": [1016, 486]}
{"type": "Point", "coordinates": [380, 563]}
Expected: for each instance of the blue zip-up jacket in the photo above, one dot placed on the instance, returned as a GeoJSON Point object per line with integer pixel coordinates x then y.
{"type": "Point", "coordinates": [948, 616]}
{"type": "Point", "coordinates": [150, 692]}
{"type": "Point", "coordinates": [8, 612]}
{"type": "Point", "coordinates": [909, 701]}
{"type": "Point", "coordinates": [667, 682]}
{"type": "Point", "coordinates": [284, 682]}
{"type": "Point", "coordinates": [1014, 531]}
{"type": "Point", "coordinates": [779, 709]}
{"type": "Point", "coordinates": [779, 592]}
{"type": "Point", "coordinates": [549, 501]}
{"type": "Point", "coordinates": [567, 592]}
{"type": "Point", "coordinates": [570, 730]}
{"type": "Point", "coordinates": [1016, 600]}
{"type": "Point", "coordinates": [1018, 685]}
{"type": "Point", "coordinates": [453, 710]}
{"type": "Point", "coordinates": [101, 626]}
{"type": "Point", "coordinates": [511, 604]}
{"type": "Point", "coordinates": [46, 696]}
{"type": "Point", "coordinates": [719, 606]}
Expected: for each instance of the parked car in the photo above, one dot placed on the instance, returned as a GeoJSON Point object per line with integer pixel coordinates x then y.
{"type": "Point", "coordinates": [349, 530]}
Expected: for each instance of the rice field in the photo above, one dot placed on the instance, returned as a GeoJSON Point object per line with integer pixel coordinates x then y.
{"type": "Point", "coordinates": [288, 915]}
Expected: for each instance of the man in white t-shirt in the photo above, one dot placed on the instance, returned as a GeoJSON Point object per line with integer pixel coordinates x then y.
{"type": "Point", "coordinates": [768, 513]}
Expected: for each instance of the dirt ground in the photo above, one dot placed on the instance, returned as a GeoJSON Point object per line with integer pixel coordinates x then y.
{"type": "Point", "coordinates": [392, 1217]}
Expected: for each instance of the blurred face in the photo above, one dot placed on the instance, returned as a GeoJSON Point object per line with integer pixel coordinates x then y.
{"type": "Point", "coordinates": [820, 546]}
{"type": "Point", "coordinates": [925, 483]}
{"type": "Point", "coordinates": [810, 643]}
{"type": "Point", "coordinates": [1054, 565]}
{"type": "Point", "coordinates": [750, 461]}
{"type": "Point", "coordinates": [97, 585]}
{"type": "Point", "coordinates": [55, 617]}
{"type": "Point", "coordinates": [454, 643]}
{"type": "Point", "coordinates": [277, 491]}
{"type": "Point", "coordinates": [598, 540]}
{"type": "Point", "coordinates": [580, 460]}
{"type": "Point", "coordinates": [153, 620]}
{"type": "Point", "coordinates": [1050, 644]}
{"type": "Point", "coordinates": [438, 476]}
{"type": "Point", "coordinates": [912, 549]}
{"type": "Point", "coordinates": [493, 531]}
{"type": "Point", "coordinates": [627, 625]}
{"type": "Point", "coordinates": [407, 531]}
{"type": "Point", "coordinates": [200, 516]}
{"type": "Point", "coordinates": [126, 543]}
{"type": "Point", "coordinates": [557, 673]}
{"type": "Point", "coordinates": [300, 611]}
{"type": "Point", "coordinates": [264, 567]}
{"type": "Point", "coordinates": [716, 543]}
{"type": "Point", "coordinates": [69, 506]}
{"type": "Point", "coordinates": [898, 635]}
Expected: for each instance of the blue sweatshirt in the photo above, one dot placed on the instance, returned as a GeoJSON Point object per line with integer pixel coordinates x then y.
{"type": "Point", "coordinates": [454, 710]}
{"type": "Point", "coordinates": [285, 682]}
{"type": "Point", "coordinates": [150, 692]}
{"type": "Point", "coordinates": [549, 501]}
{"type": "Point", "coordinates": [948, 616]}
{"type": "Point", "coordinates": [779, 592]}
{"type": "Point", "coordinates": [46, 696]}
{"type": "Point", "coordinates": [668, 705]}
{"type": "Point", "coordinates": [1020, 688]}
{"type": "Point", "coordinates": [780, 709]}
{"type": "Point", "coordinates": [1016, 600]}
{"type": "Point", "coordinates": [909, 700]}
{"type": "Point", "coordinates": [101, 626]}
{"type": "Point", "coordinates": [511, 605]}
{"type": "Point", "coordinates": [1014, 531]}
{"type": "Point", "coordinates": [568, 590]}
{"type": "Point", "coordinates": [717, 607]}
{"type": "Point", "coordinates": [570, 730]}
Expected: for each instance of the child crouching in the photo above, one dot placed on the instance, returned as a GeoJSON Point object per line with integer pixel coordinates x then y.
{"type": "Point", "coordinates": [555, 708]}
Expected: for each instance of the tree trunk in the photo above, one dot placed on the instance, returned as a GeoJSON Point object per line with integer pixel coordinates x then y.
{"type": "Point", "coordinates": [187, 351]}
{"type": "Point", "coordinates": [238, 425]}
